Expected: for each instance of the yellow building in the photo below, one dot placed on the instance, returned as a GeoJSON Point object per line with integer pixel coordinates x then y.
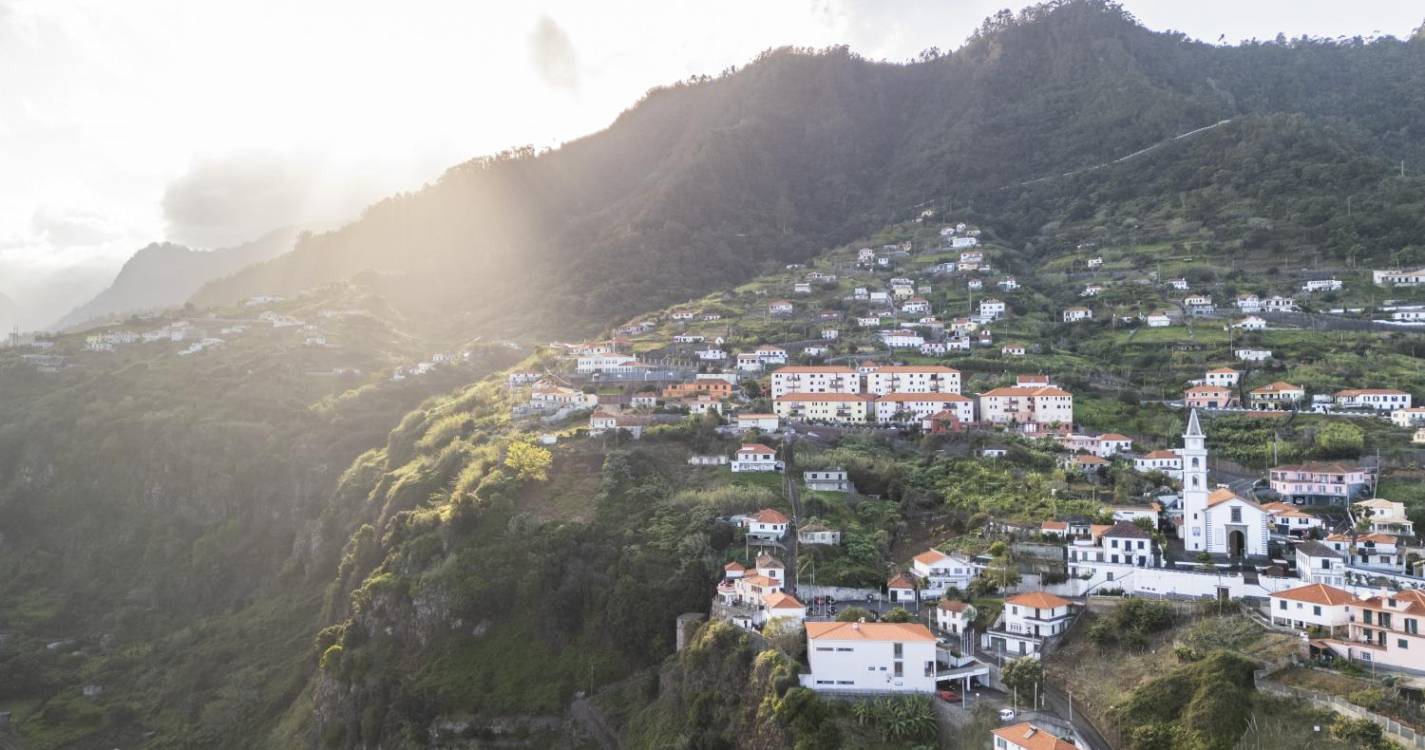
{"type": "Point", "coordinates": [835, 408]}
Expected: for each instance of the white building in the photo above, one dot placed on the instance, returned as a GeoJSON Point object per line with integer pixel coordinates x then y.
{"type": "Point", "coordinates": [1313, 605]}
{"type": "Point", "coordinates": [902, 338]}
{"type": "Point", "coordinates": [909, 408]}
{"type": "Point", "coordinates": [870, 657]}
{"type": "Point", "coordinates": [754, 421]}
{"type": "Point", "coordinates": [1251, 323]}
{"type": "Point", "coordinates": [1218, 521]}
{"type": "Point", "coordinates": [1026, 736]}
{"type": "Point", "coordinates": [827, 480]}
{"type": "Point", "coordinates": [1042, 405]}
{"type": "Point", "coordinates": [1253, 355]}
{"type": "Point", "coordinates": [992, 308]}
{"type": "Point", "coordinates": [605, 363]}
{"type": "Point", "coordinates": [1398, 277]}
{"type": "Point", "coordinates": [912, 379]}
{"type": "Point", "coordinates": [940, 571]}
{"type": "Point", "coordinates": [818, 533]}
{"type": "Point", "coordinates": [814, 379]}
{"type": "Point", "coordinates": [1076, 314]}
{"type": "Point", "coordinates": [1222, 376]}
{"type": "Point", "coordinates": [755, 457]}
{"type": "Point", "coordinates": [1169, 463]}
{"type": "Point", "coordinates": [1321, 285]}
{"type": "Point", "coordinates": [1379, 399]}
{"type": "Point", "coordinates": [767, 523]}
{"type": "Point", "coordinates": [1408, 417]}
{"type": "Point", "coordinates": [1317, 563]}
{"type": "Point", "coordinates": [954, 617]}
{"type": "Point", "coordinates": [1027, 620]}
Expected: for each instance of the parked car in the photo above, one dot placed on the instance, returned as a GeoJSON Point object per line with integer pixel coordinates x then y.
{"type": "Point", "coordinates": [1006, 715]}
{"type": "Point", "coordinates": [949, 696]}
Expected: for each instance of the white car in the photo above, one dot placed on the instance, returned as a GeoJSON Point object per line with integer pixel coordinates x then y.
{"type": "Point", "coordinates": [1006, 715]}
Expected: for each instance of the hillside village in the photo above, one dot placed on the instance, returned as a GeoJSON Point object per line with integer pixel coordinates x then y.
{"type": "Point", "coordinates": [866, 341]}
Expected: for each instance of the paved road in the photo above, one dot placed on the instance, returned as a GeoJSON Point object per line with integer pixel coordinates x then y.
{"type": "Point", "coordinates": [793, 489]}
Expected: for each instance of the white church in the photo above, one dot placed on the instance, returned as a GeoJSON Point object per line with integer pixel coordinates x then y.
{"type": "Point", "coordinates": [1218, 520]}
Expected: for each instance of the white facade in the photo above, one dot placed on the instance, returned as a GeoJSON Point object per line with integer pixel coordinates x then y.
{"type": "Point", "coordinates": [941, 571]}
{"type": "Point", "coordinates": [870, 657]}
{"type": "Point", "coordinates": [913, 379]}
{"type": "Point", "coordinates": [604, 363]}
{"type": "Point", "coordinates": [909, 408]}
{"type": "Point", "coordinates": [827, 379]}
{"type": "Point", "coordinates": [755, 457]}
{"type": "Point", "coordinates": [1216, 521]}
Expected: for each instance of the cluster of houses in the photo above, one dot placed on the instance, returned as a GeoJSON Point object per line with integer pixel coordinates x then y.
{"type": "Point", "coordinates": [1220, 389]}
{"type": "Point", "coordinates": [928, 395]}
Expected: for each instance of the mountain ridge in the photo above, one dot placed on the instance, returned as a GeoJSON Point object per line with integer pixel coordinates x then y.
{"type": "Point", "coordinates": [162, 275]}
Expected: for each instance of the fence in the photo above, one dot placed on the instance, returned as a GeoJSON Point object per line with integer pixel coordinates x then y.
{"type": "Point", "coordinates": [1397, 731]}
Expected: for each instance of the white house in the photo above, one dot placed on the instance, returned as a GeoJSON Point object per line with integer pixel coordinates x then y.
{"type": "Point", "coordinates": [1253, 355]}
{"type": "Point", "coordinates": [780, 307]}
{"type": "Point", "coordinates": [902, 338]}
{"type": "Point", "coordinates": [1012, 350]}
{"type": "Point", "coordinates": [1039, 405]}
{"type": "Point", "coordinates": [1222, 376]}
{"type": "Point", "coordinates": [975, 284]}
{"type": "Point", "coordinates": [818, 533]}
{"type": "Point", "coordinates": [908, 408]}
{"type": "Point", "coordinates": [916, 306]}
{"type": "Point", "coordinates": [1027, 620]}
{"type": "Point", "coordinates": [1026, 736]}
{"type": "Point", "coordinates": [830, 334]}
{"type": "Point", "coordinates": [767, 523]}
{"type": "Point", "coordinates": [1092, 290]}
{"type": "Point", "coordinates": [755, 457]}
{"type": "Point", "coordinates": [1075, 314]}
{"type": "Point", "coordinates": [886, 379]}
{"type": "Point", "coordinates": [1317, 563]}
{"type": "Point", "coordinates": [754, 421]}
{"type": "Point", "coordinates": [870, 657]}
{"type": "Point", "coordinates": [1180, 284]}
{"type": "Point", "coordinates": [954, 617]}
{"type": "Point", "coordinates": [801, 287]}
{"type": "Point", "coordinates": [1008, 284]}
{"type": "Point", "coordinates": [1378, 399]}
{"type": "Point", "coordinates": [964, 242]}
{"type": "Point", "coordinates": [992, 308]}
{"type": "Point", "coordinates": [1167, 462]}
{"type": "Point", "coordinates": [1321, 285]}
{"type": "Point", "coordinates": [1398, 277]}
{"type": "Point", "coordinates": [941, 571]}
{"type": "Point", "coordinates": [814, 379]}
{"type": "Point", "coordinates": [1313, 605]}
{"type": "Point", "coordinates": [1278, 304]}
{"type": "Point", "coordinates": [827, 480]}
{"type": "Point", "coordinates": [1251, 323]}
{"type": "Point", "coordinates": [1158, 320]}
{"type": "Point", "coordinates": [605, 363]}
{"type": "Point", "coordinates": [1129, 544]}
{"type": "Point", "coordinates": [1413, 416]}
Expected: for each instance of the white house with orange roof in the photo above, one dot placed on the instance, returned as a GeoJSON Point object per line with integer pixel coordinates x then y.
{"type": "Point", "coordinates": [1289, 520]}
{"type": "Point", "coordinates": [1384, 516]}
{"type": "Point", "coordinates": [870, 657]}
{"type": "Point", "coordinates": [916, 306]}
{"type": "Point", "coordinates": [1027, 620]}
{"type": "Point", "coordinates": [1278, 396]}
{"type": "Point", "coordinates": [1209, 397]}
{"type": "Point", "coordinates": [1377, 399]}
{"type": "Point", "coordinates": [1041, 405]}
{"type": "Point", "coordinates": [954, 617]}
{"type": "Point", "coordinates": [758, 595]}
{"type": "Point", "coordinates": [941, 571]}
{"type": "Point", "coordinates": [1223, 376]}
{"type": "Point", "coordinates": [1057, 529]}
{"type": "Point", "coordinates": [901, 588]}
{"type": "Point", "coordinates": [755, 457]}
{"type": "Point", "coordinates": [1386, 630]}
{"type": "Point", "coordinates": [755, 421]}
{"type": "Point", "coordinates": [1313, 605]}
{"type": "Point", "coordinates": [768, 523]}
{"type": "Point", "coordinates": [1409, 417]}
{"type": "Point", "coordinates": [1166, 462]}
{"type": "Point", "coordinates": [912, 379]}
{"type": "Point", "coordinates": [1027, 736]}
{"type": "Point", "coordinates": [1373, 551]}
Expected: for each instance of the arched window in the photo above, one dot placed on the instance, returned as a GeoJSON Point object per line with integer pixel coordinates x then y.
{"type": "Point", "coordinates": [1194, 462]}
{"type": "Point", "coordinates": [1194, 482]}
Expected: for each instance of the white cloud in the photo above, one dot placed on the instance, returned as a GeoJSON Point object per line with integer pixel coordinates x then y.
{"type": "Point", "coordinates": [553, 56]}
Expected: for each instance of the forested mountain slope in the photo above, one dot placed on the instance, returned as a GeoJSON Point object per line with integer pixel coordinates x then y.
{"type": "Point", "coordinates": [706, 183]}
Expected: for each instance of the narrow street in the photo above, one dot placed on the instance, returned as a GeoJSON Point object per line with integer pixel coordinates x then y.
{"type": "Point", "coordinates": [793, 490]}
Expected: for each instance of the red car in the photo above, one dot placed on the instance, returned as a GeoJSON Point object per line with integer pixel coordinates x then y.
{"type": "Point", "coordinates": [949, 696]}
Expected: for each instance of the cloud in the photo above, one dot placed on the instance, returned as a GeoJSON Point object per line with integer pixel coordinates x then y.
{"type": "Point", "coordinates": [228, 200]}
{"type": "Point", "coordinates": [70, 228]}
{"type": "Point", "coordinates": [553, 55]}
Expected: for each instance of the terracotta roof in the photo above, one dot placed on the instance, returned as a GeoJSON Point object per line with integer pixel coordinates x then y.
{"type": "Point", "coordinates": [952, 606]}
{"type": "Point", "coordinates": [869, 631]}
{"type": "Point", "coordinates": [827, 397]}
{"type": "Point", "coordinates": [1038, 600]}
{"type": "Point", "coordinates": [918, 368]}
{"type": "Point", "coordinates": [1377, 502]}
{"type": "Point", "coordinates": [829, 369]}
{"type": "Point", "coordinates": [1317, 468]}
{"type": "Point", "coordinates": [1222, 495]}
{"type": "Point", "coordinates": [1055, 526]}
{"type": "Point", "coordinates": [1114, 436]}
{"type": "Point", "coordinates": [1317, 593]}
{"type": "Point", "coordinates": [1223, 370]}
{"type": "Point", "coordinates": [1162, 454]}
{"type": "Point", "coordinates": [900, 581]}
{"type": "Point", "coordinates": [1371, 392]}
{"type": "Point", "coordinates": [1030, 737]}
{"type": "Point", "coordinates": [1376, 537]}
{"type": "Point", "coordinates": [930, 556]}
{"type": "Point", "coordinates": [734, 565]}
{"type": "Point", "coordinates": [1090, 459]}
{"type": "Point", "coordinates": [1276, 387]}
{"type": "Point", "coordinates": [769, 515]}
{"type": "Point", "coordinates": [782, 600]}
{"type": "Point", "coordinates": [761, 580]}
{"type": "Point", "coordinates": [1096, 530]}
{"type": "Point", "coordinates": [755, 448]}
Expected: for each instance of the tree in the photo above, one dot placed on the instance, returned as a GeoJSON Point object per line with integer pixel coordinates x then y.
{"type": "Point", "coordinates": [1022, 675]}
{"type": "Point", "coordinates": [528, 461]}
{"type": "Point", "coordinates": [854, 614]}
{"type": "Point", "coordinates": [785, 633]}
{"type": "Point", "coordinates": [899, 614]}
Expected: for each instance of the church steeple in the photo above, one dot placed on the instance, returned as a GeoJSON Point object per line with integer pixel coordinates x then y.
{"type": "Point", "coordinates": [1194, 455]}
{"type": "Point", "coordinates": [1193, 429]}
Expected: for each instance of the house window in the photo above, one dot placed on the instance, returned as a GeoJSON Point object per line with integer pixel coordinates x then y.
{"type": "Point", "coordinates": [1283, 604]}
{"type": "Point", "coordinates": [1402, 643]}
{"type": "Point", "coordinates": [899, 669]}
{"type": "Point", "coordinates": [1316, 611]}
{"type": "Point", "coordinates": [898, 650]}
{"type": "Point", "coordinates": [1236, 515]}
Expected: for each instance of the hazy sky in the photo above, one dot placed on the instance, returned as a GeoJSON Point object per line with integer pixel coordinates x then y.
{"type": "Point", "coordinates": [210, 122]}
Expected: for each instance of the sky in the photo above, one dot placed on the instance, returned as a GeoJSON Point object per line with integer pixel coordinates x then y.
{"type": "Point", "coordinates": [210, 123]}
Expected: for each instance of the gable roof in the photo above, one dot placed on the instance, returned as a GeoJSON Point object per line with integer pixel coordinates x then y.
{"type": "Point", "coordinates": [767, 561]}
{"type": "Point", "coordinates": [930, 556]}
{"type": "Point", "coordinates": [1224, 495]}
{"type": "Point", "coordinates": [1030, 737]}
{"type": "Point", "coordinates": [1317, 593]}
{"type": "Point", "coordinates": [869, 631]}
{"type": "Point", "coordinates": [1313, 548]}
{"type": "Point", "coordinates": [1128, 530]}
{"type": "Point", "coordinates": [770, 515]}
{"type": "Point", "coordinates": [900, 581]}
{"type": "Point", "coordinates": [1163, 454]}
{"type": "Point", "coordinates": [952, 606]}
{"type": "Point", "coordinates": [1038, 600]}
{"type": "Point", "coordinates": [755, 448]}
{"type": "Point", "coordinates": [1015, 390]}
{"type": "Point", "coordinates": [782, 600]}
